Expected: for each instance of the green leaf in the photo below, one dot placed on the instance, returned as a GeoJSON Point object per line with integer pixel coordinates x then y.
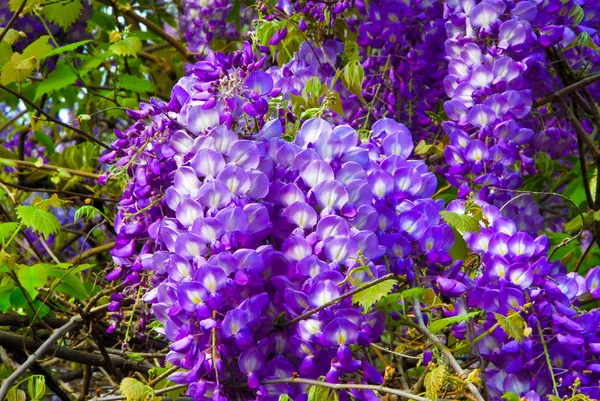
{"type": "Point", "coordinates": [367, 297]}
{"type": "Point", "coordinates": [31, 277]}
{"type": "Point", "coordinates": [437, 325]}
{"type": "Point", "coordinates": [512, 325]}
{"type": "Point", "coordinates": [434, 381]}
{"type": "Point", "coordinates": [584, 40]}
{"type": "Point", "coordinates": [462, 222]}
{"type": "Point", "coordinates": [38, 220]}
{"type": "Point", "coordinates": [67, 48]}
{"type": "Point", "coordinates": [14, 394]}
{"type": "Point", "coordinates": [38, 49]}
{"type": "Point", "coordinates": [6, 230]}
{"type": "Point", "coordinates": [135, 84]}
{"type": "Point", "coordinates": [70, 284]}
{"type": "Point", "coordinates": [336, 104]}
{"type": "Point", "coordinates": [6, 154]}
{"type": "Point", "coordinates": [87, 213]}
{"type": "Point", "coordinates": [129, 46]}
{"type": "Point", "coordinates": [63, 14]}
{"type": "Point", "coordinates": [320, 393]}
{"type": "Point", "coordinates": [91, 63]}
{"type": "Point", "coordinates": [11, 37]}
{"type": "Point", "coordinates": [235, 15]}
{"type": "Point", "coordinates": [285, 397]}
{"type": "Point", "coordinates": [135, 357]}
{"type": "Point", "coordinates": [133, 389]}
{"type": "Point", "coordinates": [16, 70]}
{"type": "Point", "coordinates": [60, 78]}
{"type": "Point", "coordinates": [459, 249]}
{"type": "Point", "coordinates": [510, 397]}
{"type": "Point", "coordinates": [575, 224]}
{"type": "Point", "coordinates": [352, 77]}
{"type": "Point", "coordinates": [36, 387]}
{"type": "Point", "coordinates": [5, 53]}
{"type": "Point", "coordinates": [577, 14]}
{"type": "Point", "coordinates": [45, 140]}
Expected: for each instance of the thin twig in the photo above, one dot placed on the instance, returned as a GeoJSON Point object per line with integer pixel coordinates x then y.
{"type": "Point", "coordinates": [12, 21]}
{"type": "Point", "coordinates": [50, 167]}
{"type": "Point", "coordinates": [157, 392]}
{"type": "Point", "coordinates": [523, 193]}
{"type": "Point", "coordinates": [12, 120]}
{"type": "Point", "coordinates": [337, 300]}
{"type": "Point", "coordinates": [92, 252]}
{"type": "Point", "coordinates": [339, 386]}
{"type": "Point", "coordinates": [443, 349]}
{"type": "Point", "coordinates": [154, 28]}
{"type": "Point", "coordinates": [53, 119]}
{"type": "Point", "coordinates": [580, 130]}
{"type": "Point", "coordinates": [58, 333]}
{"type": "Point", "coordinates": [567, 90]}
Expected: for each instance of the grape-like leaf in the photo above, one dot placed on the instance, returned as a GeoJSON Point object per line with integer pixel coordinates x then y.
{"type": "Point", "coordinates": [513, 325]}
{"type": "Point", "coordinates": [60, 78]}
{"type": "Point", "coordinates": [67, 48]}
{"type": "Point", "coordinates": [32, 277]}
{"type": "Point", "coordinates": [11, 36]}
{"type": "Point", "coordinates": [319, 393]}
{"type": "Point", "coordinates": [135, 84]}
{"type": "Point", "coordinates": [367, 297]}
{"type": "Point", "coordinates": [434, 381]}
{"type": "Point", "coordinates": [462, 222]}
{"type": "Point", "coordinates": [6, 230]}
{"type": "Point", "coordinates": [129, 46]}
{"type": "Point", "coordinates": [87, 213]}
{"type": "Point", "coordinates": [63, 14]}
{"type": "Point", "coordinates": [5, 53]}
{"type": "Point", "coordinates": [133, 389]}
{"type": "Point", "coordinates": [38, 220]}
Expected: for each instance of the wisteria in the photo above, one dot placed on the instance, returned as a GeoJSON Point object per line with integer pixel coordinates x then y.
{"type": "Point", "coordinates": [300, 200]}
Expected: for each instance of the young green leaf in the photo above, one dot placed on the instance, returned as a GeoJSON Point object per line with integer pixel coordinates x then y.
{"type": "Point", "coordinates": [63, 14]}
{"type": "Point", "coordinates": [32, 277]}
{"type": "Point", "coordinates": [11, 37]}
{"type": "Point", "coordinates": [459, 249]}
{"type": "Point", "coordinates": [68, 283]}
{"type": "Point", "coordinates": [36, 387]}
{"type": "Point", "coordinates": [67, 48]}
{"type": "Point", "coordinates": [352, 77]}
{"type": "Point", "coordinates": [319, 393]}
{"type": "Point", "coordinates": [87, 213]}
{"type": "Point", "coordinates": [61, 77]}
{"type": "Point", "coordinates": [128, 47]}
{"type": "Point", "coordinates": [38, 220]}
{"type": "Point", "coordinates": [14, 394]}
{"type": "Point", "coordinates": [45, 140]}
{"type": "Point", "coordinates": [133, 390]}
{"type": "Point", "coordinates": [5, 53]}
{"type": "Point", "coordinates": [367, 297]}
{"type": "Point", "coordinates": [6, 230]}
{"type": "Point", "coordinates": [434, 381]}
{"type": "Point", "coordinates": [38, 49]}
{"type": "Point", "coordinates": [462, 222]}
{"type": "Point", "coordinates": [135, 84]}
{"type": "Point", "coordinates": [437, 325]}
{"type": "Point", "coordinates": [513, 325]}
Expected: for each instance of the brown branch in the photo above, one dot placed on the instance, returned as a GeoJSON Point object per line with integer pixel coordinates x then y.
{"type": "Point", "coordinates": [53, 119]}
{"type": "Point", "coordinates": [443, 349]}
{"type": "Point", "coordinates": [580, 130]}
{"type": "Point", "coordinates": [43, 348]}
{"type": "Point", "coordinates": [567, 90]}
{"type": "Point", "coordinates": [68, 354]}
{"type": "Point", "coordinates": [58, 191]}
{"type": "Point", "coordinates": [340, 386]}
{"type": "Point", "coordinates": [12, 21]}
{"type": "Point", "coordinates": [50, 167]}
{"type": "Point", "coordinates": [92, 252]}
